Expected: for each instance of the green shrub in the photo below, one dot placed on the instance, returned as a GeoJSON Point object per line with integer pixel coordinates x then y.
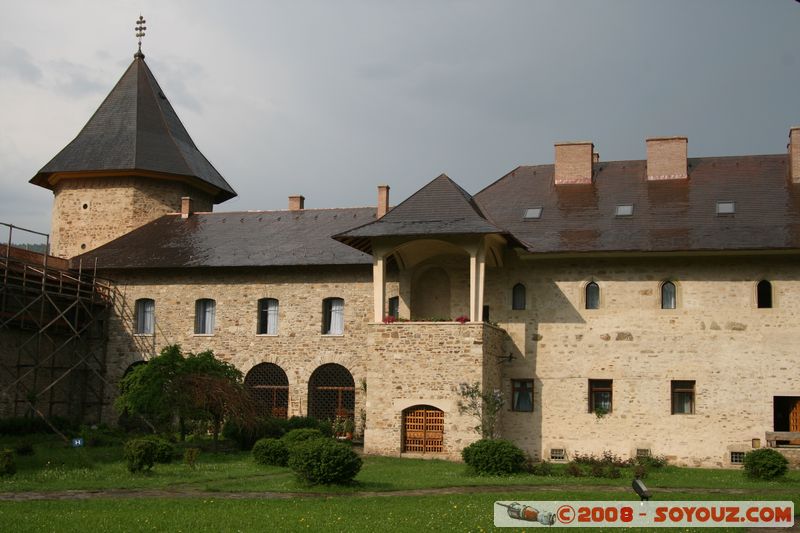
{"type": "Point", "coordinates": [24, 447]}
{"type": "Point", "coordinates": [246, 437]}
{"type": "Point", "coordinates": [296, 436]}
{"type": "Point", "coordinates": [140, 454]}
{"type": "Point", "coordinates": [765, 463]}
{"type": "Point", "coordinates": [640, 471]}
{"type": "Point", "coordinates": [652, 461]}
{"type": "Point", "coordinates": [607, 458]}
{"type": "Point", "coordinates": [271, 452]}
{"type": "Point", "coordinates": [165, 450]}
{"type": "Point", "coordinates": [8, 467]}
{"type": "Point", "coordinates": [545, 468]}
{"type": "Point", "coordinates": [574, 469]}
{"type": "Point", "coordinates": [495, 457]}
{"type": "Point", "coordinates": [190, 456]}
{"type": "Point", "coordinates": [324, 461]}
{"type": "Point", "coordinates": [612, 472]}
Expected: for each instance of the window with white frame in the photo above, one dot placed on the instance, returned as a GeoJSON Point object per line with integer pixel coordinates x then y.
{"type": "Point", "coordinates": [333, 316]}
{"type": "Point", "coordinates": [204, 314]}
{"type": "Point", "coordinates": [145, 309]}
{"type": "Point", "coordinates": [268, 316]}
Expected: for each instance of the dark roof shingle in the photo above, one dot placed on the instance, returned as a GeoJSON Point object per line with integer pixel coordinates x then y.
{"type": "Point", "coordinates": [236, 239]}
{"type": "Point", "coordinates": [136, 128]}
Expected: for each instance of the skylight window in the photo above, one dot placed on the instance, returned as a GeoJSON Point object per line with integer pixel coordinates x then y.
{"type": "Point", "coordinates": [726, 208]}
{"type": "Point", "coordinates": [533, 212]}
{"type": "Point", "coordinates": [625, 210]}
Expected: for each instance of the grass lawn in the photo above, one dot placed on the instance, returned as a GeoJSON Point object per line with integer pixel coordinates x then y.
{"type": "Point", "coordinates": [56, 468]}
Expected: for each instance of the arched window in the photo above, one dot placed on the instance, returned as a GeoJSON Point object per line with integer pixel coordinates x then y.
{"type": "Point", "coordinates": [145, 316]}
{"type": "Point", "coordinates": [267, 316]}
{"type": "Point", "coordinates": [331, 393]}
{"type": "Point", "coordinates": [668, 295]}
{"type": "Point", "coordinates": [518, 297]}
{"type": "Point", "coordinates": [764, 294]}
{"type": "Point", "coordinates": [332, 316]}
{"type": "Point", "coordinates": [592, 295]}
{"type": "Point", "coordinates": [269, 387]}
{"type": "Point", "coordinates": [423, 429]}
{"type": "Point", "coordinates": [205, 310]}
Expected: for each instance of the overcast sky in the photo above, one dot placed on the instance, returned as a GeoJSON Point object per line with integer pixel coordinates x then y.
{"type": "Point", "coordinates": [331, 98]}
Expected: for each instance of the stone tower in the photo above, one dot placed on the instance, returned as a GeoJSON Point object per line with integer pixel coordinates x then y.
{"type": "Point", "coordinates": [130, 164]}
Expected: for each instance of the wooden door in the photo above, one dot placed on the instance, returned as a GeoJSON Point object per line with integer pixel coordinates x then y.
{"type": "Point", "coordinates": [794, 420]}
{"type": "Point", "coordinates": [423, 429]}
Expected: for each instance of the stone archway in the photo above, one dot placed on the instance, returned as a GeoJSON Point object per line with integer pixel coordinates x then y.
{"type": "Point", "coordinates": [269, 387]}
{"type": "Point", "coordinates": [331, 393]}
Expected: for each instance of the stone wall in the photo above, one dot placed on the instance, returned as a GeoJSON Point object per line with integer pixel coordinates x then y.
{"type": "Point", "coordinates": [89, 212]}
{"type": "Point", "coordinates": [299, 347]}
{"type": "Point", "coordinates": [423, 363]}
{"type": "Point", "coordinates": [738, 355]}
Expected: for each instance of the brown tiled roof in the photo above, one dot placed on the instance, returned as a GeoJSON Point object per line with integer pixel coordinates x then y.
{"type": "Point", "coordinates": [236, 239]}
{"type": "Point", "coordinates": [441, 207]}
{"type": "Point", "coordinates": [668, 216]}
{"type": "Point", "coordinates": [136, 128]}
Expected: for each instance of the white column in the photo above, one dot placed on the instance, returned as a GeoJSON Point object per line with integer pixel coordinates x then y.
{"type": "Point", "coordinates": [480, 282]}
{"type": "Point", "coordinates": [477, 273]}
{"type": "Point", "coordinates": [378, 284]}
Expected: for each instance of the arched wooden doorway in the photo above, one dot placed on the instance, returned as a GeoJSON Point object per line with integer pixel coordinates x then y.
{"type": "Point", "coordinates": [269, 386]}
{"type": "Point", "coordinates": [423, 429]}
{"type": "Point", "coordinates": [331, 393]}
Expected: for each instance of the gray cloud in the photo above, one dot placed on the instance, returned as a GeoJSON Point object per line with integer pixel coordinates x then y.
{"type": "Point", "coordinates": [17, 63]}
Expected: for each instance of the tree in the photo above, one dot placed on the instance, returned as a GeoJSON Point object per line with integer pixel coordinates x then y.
{"type": "Point", "coordinates": [483, 406]}
{"type": "Point", "coordinates": [173, 387]}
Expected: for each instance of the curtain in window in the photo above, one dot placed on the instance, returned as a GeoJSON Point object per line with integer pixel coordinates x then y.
{"type": "Point", "coordinates": [337, 316]}
{"type": "Point", "coordinates": [145, 316]}
{"type": "Point", "coordinates": [268, 316]}
{"type": "Point", "coordinates": [683, 402]}
{"type": "Point", "coordinates": [204, 316]}
{"type": "Point", "coordinates": [523, 396]}
{"type": "Point", "coordinates": [394, 306]}
{"type": "Point", "coordinates": [668, 295]}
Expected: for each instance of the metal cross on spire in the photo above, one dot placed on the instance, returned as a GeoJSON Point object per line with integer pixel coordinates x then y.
{"type": "Point", "coordinates": [140, 28]}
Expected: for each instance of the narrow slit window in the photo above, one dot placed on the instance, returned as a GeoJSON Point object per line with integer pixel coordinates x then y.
{"type": "Point", "coordinates": [518, 297]}
{"type": "Point", "coordinates": [764, 294]}
{"type": "Point", "coordinates": [668, 295]}
{"type": "Point", "coordinates": [268, 316]}
{"type": "Point", "coordinates": [592, 295]}
{"type": "Point", "coordinates": [522, 395]}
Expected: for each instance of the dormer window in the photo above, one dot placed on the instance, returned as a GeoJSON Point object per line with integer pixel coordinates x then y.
{"type": "Point", "coordinates": [726, 207]}
{"type": "Point", "coordinates": [533, 213]}
{"type": "Point", "coordinates": [625, 210]}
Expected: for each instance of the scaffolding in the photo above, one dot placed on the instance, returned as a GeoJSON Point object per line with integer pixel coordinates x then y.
{"type": "Point", "coordinates": [53, 334]}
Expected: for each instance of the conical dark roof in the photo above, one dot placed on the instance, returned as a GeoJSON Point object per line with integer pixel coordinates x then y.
{"type": "Point", "coordinates": [136, 128]}
{"type": "Point", "coordinates": [441, 207]}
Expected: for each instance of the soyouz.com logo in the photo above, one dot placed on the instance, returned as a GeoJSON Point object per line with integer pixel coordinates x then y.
{"type": "Point", "coordinates": [644, 514]}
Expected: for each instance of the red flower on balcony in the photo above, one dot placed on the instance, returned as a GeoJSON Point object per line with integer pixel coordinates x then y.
{"type": "Point", "coordinates": [389, 319]}
{"type": "Point", "coordinates": [463, 319]}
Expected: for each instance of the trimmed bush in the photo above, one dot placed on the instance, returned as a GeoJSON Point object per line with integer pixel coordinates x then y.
{"type": "Point", "coordinates": [245, 438]}
{"type": "Point", "coordinates": [296, 436]}
{"type": "Point", "coordinates": [140, 454]}
{"type": "Point", "coordinates": [652, 461]}
{"type": "Point", "coordinates": [165, 450]}
{"type": "Point", "coordinates": [545, 468]}
{"type": "Point", "coordinates": [324, 461]}
{"type": "Point", "coordinates": [8, 467]}
{"type": "Point", "coordinates": [765, 463]}
{"type": "Point", "coordinates": [272, 452]}
{"type": "Point", "coordinates": [574, 469]}
{"type": "Point", "coordinates": [494, 457]}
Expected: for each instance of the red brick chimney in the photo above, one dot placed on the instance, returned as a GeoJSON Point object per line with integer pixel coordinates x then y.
{"type": "Point", "coordinates": [186, 207]}
{"type": "Point", "coordinates": [666, 158]}
{"type": "Point", "coordinates": [794, 154]}
{"type": "Point", "coordinates": [297, 203]}
{"type": "Point", "coordinates": [574, 163]}
{"type": "Point", "coordinates": [383, 201]}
